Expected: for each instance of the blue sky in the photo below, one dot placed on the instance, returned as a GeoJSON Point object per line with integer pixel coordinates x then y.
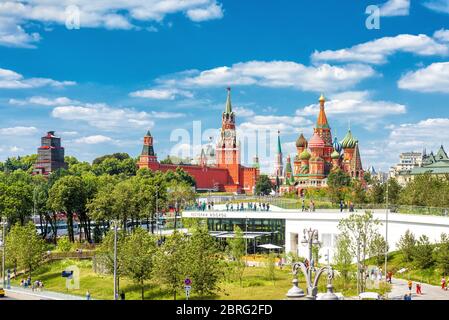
{"type": "Point", "coordinates": [162, 64]}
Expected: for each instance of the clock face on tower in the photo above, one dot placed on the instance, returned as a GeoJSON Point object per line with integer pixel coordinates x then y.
{"type": "Point", "coordinates": [228, 134]}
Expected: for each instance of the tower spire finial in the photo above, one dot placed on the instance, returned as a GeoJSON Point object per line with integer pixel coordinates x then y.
{"type": "Point", "coordinates": [228, 109]}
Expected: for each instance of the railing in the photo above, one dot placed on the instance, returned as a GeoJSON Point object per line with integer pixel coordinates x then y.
{"type": "Point", "coordinates": [286, 203]}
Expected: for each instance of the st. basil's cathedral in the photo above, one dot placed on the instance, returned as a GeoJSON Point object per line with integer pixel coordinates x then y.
{"type": "Point", "coordinates": [318, 157]}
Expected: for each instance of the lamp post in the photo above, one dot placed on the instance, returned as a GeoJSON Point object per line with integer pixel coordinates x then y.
{"type": "Point", "coordinates": [311, 239]}
{"type": "Point", "coordinates": [115, 222]}
{"type": "Point", "coordinates": [3, 222]}
{"type": "Point", "coordinates": [386, 233]}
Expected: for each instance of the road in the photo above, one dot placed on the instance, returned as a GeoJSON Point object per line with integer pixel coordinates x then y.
{"type": "Point", "coordinates": [400, 288]}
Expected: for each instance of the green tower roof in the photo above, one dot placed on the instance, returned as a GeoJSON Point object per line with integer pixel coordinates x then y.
{"type": "Point", "coordinates": [228, 108]}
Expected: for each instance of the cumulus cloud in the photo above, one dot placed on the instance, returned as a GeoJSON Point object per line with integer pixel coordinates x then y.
{"type": "Point", "coordinates": [415, 136]}
{"type": "Point", "coordinates": [377, 51]}
{"type": "Point", "coordinates": [356, 108]}
{"type": "Point", "coordinates": [162, 94]}
{"type": "Point", "coordinates": [15, 16]}
{"type": "Point", "coordinates": [442, 35]}
{"type": "Point", "coordinates": [12, 80]}
{"type": "Point", "coordinates": [18, 131]}
{"type": "Point", "coordinates": [393, 8]}
{"type": "Point", "coordinates": [438, 5]}
{"type": "Point", "coordinates": [104, 117]}
{"type": "Point", "coordinates": [433, 78]}
{"type": "Point", "coordinates": [275, 74]}
{"type": "Point", "coordinates": [95, 139]}
{"type": "Point", "coordinates": [44, 101]}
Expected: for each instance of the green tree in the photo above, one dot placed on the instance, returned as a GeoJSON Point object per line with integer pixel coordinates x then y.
{"type": "Point", "coordinates": [137, 257]}
{"type": "Point", "coordinates": [237, 249]}
{"type": "Point", "coordinates": [343, 256]}
{"type": "Point", "coordinates": [423, 253]}
{"type": "Point", "coordinates": [406, 245]}
{"type": "Point", "coordinates": [64, 244]}
{"type": "Point", "coordinates": [361, 229]}
{"type": "Point", "coordinates": [68, 195]}
{"type": "Point", "coordinates": [204, 260]}
{"type": "Point", "coordinates": [171, 264]}
{"type": "Point", "coordinates": [442, 254]}
{"type": "Point", "coordinates": [270, 267]}
{"type": "Point", "coordinates": [264, 186]}
{"type": "Point", "coordinates": [25, 249]}
{"type": "Point", "coordinates": [337, 182]}
{"type": "Point", "coordinates": [378, 248]}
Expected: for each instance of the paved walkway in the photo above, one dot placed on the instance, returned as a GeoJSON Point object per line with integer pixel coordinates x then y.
{"type": "Point", "coordinates": [28, 294]}
{"type": "Point", "coordinates": [399, 289]}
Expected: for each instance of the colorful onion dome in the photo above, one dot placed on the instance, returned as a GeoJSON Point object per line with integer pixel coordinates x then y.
{"type": "Point", "coordinates": [335, 155]}
{"type": "Point", "coordinates": [337, 145]}
{"type": "Point", "coordinates": [301, 142]}
{"type": "Point", "coordinates": [348, 141]}
{"type": "Point", "coordinates": [316, 141]}
{"type": "Point", "coordinates": [305, 155]}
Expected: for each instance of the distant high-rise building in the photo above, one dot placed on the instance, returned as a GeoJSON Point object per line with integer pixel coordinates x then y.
{"type": "Point", "coordinates": [50, 155]}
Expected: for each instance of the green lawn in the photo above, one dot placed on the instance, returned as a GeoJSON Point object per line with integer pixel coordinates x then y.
{"type": "Point", "coordinates": [255, 286]}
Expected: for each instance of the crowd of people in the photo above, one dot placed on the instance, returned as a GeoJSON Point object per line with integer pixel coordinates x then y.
{"type": "Point", "coordinates": [36, 285]}
{"type": "Point", "coordinates": [251, 206]}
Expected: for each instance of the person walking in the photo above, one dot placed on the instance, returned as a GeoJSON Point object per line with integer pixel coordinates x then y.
{"type": "Point", "coordinates": [122, 295]}
{"type": "Point", "coordinates": [303, 205]}
{"type": "Point", "coordinates": [87, 295]}
{"type": "Point", "coordinates": [443, 283]}
{"type": "Point", "coordinates": [341, 205]}
{"type": "Point", "coordinates": [410, 285]}
{"type": "Point", "coordinates": [418, 288]}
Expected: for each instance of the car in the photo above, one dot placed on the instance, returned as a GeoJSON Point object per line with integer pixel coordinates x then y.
{"type": "Point", "coordinates": [2, 292]}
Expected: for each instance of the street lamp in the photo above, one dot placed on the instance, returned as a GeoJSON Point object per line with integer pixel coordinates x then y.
{"type": "Point", "coordinates": [4, 223]}
{"type": "Point", "coordinates": [311, 239]}
{"type": "Point", "coordinates": [115, 226]}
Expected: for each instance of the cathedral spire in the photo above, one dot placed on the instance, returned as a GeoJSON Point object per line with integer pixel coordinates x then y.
{"type": "Point", "coordinates": [322, 119]}
{"type": "Point", "coordinates": [228, 109]}
{"type": "Point", "coordinates": [279, 142]}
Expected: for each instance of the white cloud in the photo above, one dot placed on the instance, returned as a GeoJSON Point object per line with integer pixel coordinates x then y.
{"type": "Point", "coordinates": [214, 11]}
{"type": "Point", "coordinates": [43, 101]}
{"type": "Point", "coordinates": [275, 74]}
{"type": "Point", "coordinates": [243, 112]}
{"type": "Point", "coordinates": [394, 8]}
{"type": "Point", "coordinates": [18, 131]}
{"type": "Point", "coordinates": [104, 117]}
{"type": "Point", "coordinates": [13, 80]}
{"type": "Point", "coordinates": [166, 115]}
{"type": "Point", "coordinates": [15, 149]}
{"type": "Point", "coordinates": [442, 35]}
{"type": "Point", "coordinates": [116, 14]}
{"type": "Point", "coordinates": [433, 78]}
{"type": "Point", "coordinates": [377, 51]}
{"type": "Point", "coordinates": [438, 5]}
{"type": "Point", "coordinates": [96, 139]}
{"type": "Point", "coordinates": [161, 94]}
{"type": "Point", "coordinates": [429, 133]}
{"type": "Point", "coordinates": [358, 109]}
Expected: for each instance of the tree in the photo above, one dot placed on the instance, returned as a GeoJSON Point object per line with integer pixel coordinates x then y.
{"type": "Point", "coordinates": [264, 186]}
{"type": "Point", "coordinates": [376, 193]}
{"type": "Point", "coordinates": [137, 257]}
{"type": "Point", "coordinates": [343, 256]}
{"type": "Point", "coordinates": [337, 182]}
{"type": "Point", "coordinates": [170, 264]}
{"type": "Point", "coordinates": [270, 267]}
{"type": "Point", "coordinates": [106, 252]}
{"type": "Point", "coordinates": [423, 253]}
{"type": "Point", "coordinates": [394, 191]}
{"type": "Point", "coordinates": [378, 248]}
{"type": "Point", "coordinates": [68, 195]}
{"type": "Point", "coordinates": [358, 192]}
{"type": "Point", "coordinates": [361, 229]}
{"type": "Point", "coordinates": [442, 254]}
{"type": "Point", "coordinates": [25, 249]}
{"type": "Point", "coordinates": [205, 268]}
{"type": "Point", "coordinates": [406, 245]}
{"type": "Point", "coordinates": [237, 246]}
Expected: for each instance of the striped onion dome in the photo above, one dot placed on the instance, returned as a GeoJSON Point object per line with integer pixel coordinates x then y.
{"type": "Point", "coordinates": [305, 155]}
{"type": "Point", "coordinates": [348, 141]}
{"type": "Point", "coordinates": [337, 145]}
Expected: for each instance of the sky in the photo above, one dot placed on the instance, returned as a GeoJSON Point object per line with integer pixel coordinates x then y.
{"type": "Point", "coordinates": [101, 73]}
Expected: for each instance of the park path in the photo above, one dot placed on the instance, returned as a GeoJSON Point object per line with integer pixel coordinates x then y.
{"type": "Point", "coordinates": [399, 288]}
{"type": "Point", "coordinates": [28, 294]}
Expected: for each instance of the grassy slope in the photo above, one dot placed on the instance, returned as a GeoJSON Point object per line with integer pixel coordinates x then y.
{"type": "Point", "coordinates": [255, 286]}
